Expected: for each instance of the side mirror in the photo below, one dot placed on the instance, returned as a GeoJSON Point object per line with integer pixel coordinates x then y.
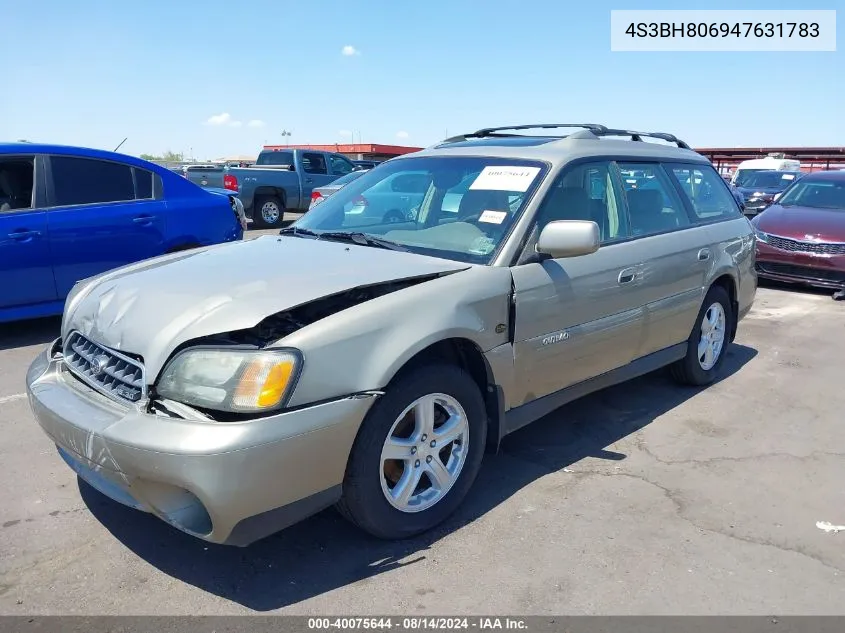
{"type": "Point", "coordinates": [569, 238]}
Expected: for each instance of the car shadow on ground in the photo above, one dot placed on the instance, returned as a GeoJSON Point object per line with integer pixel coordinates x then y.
{"type": "Point", "coordinates": [32, 332]}
{"type": "Point", "coordinates": [325, 552]}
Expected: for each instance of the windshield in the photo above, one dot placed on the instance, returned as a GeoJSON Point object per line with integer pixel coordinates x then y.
{"type": "Point", "coordinates": [818, 194]}
{"type": "Point", "coordinates": [744, 176]}
{"type": "Point", "coordinates": [769, 180]}
{"type": "Point", "coordinates": [343, 180]}
{"type": "Point", "coordinates": [458, 208]}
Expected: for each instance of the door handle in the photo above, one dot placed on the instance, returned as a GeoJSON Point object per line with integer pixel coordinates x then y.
{"type": "Point", "coordinates": [144, 219]}
{"type": "Point", "coordinates": [23, 235]}
{"type": "Point", "coordinates": [627, 276]}
{"type": "Point", "coordinates": [704, 254]}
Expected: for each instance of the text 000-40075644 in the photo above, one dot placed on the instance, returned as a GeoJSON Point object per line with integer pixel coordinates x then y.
{"type": "Point", "coordinates": [416, 623]}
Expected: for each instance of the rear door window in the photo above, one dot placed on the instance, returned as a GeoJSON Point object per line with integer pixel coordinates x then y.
{"type": "Point", "coordinates": [313, 163]}
{"type": "Point", "coordinates": [654, 205]}
{"type": "Point", "coordinates": [709, 196]}
{"type": "Point", "coordinates": [89, 181]}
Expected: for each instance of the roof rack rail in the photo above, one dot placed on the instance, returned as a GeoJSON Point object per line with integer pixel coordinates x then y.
{"type": "Point", "coordinates": [638, 136]}
{"type": "Point", "coordinates": [495, 131]}
{"type": "Point", "coordinates": [587, 130]}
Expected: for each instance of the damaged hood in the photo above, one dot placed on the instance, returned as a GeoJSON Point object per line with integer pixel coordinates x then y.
{"type": "Point", "coordinates": [152, 307]}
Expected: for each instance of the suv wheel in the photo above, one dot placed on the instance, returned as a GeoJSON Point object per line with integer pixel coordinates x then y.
{"type": "Point", "coordinates": [268, 213]}
{"type": "Point", "coordinates": [417, 454]}
{"type": "Point", "coordinates": [707, 344]}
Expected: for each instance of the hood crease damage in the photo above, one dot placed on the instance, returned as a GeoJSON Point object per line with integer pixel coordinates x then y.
{"type": "Point", "coordinates": [281, 324]}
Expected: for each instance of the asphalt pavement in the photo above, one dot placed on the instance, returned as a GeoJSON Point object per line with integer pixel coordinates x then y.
{"type": "Point", "coordinates": [645, 498]}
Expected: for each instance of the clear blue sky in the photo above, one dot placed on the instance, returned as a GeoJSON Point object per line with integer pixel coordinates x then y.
{"type": "Point", "coordinates": [93, 72]}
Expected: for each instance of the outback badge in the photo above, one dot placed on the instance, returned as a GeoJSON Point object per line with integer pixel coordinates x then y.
{"type": "Point", "coordinates": [557, 337]}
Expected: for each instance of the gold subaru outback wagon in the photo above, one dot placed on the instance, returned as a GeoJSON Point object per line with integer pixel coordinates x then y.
{"type": "Point", "coordinates": [235, 389]}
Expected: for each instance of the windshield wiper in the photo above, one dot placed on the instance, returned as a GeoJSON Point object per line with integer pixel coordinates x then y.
{"type": "Point", "coordinates": [364, 239]}
{"type": "Point", "coordinates": [295, 230]}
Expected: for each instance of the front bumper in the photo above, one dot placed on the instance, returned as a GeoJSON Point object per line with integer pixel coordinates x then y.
{"type": "Point", "coordinates": [224, 482]}
{"type": "Point", "coordinates": [822, 271]}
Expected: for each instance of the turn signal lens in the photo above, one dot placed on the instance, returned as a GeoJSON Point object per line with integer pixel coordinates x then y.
{"type": "Point", "coordinates": [262, 385]}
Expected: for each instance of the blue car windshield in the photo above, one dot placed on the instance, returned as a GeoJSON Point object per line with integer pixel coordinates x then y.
{"type": "Point", "coordinates": [459, 208]}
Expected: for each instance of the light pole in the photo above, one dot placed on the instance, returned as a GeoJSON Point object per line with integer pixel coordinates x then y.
{"type": "Point", "coordinates": [286, 133]}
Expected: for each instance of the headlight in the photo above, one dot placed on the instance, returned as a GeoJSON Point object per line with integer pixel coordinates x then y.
{"type": "Point", "coordinates": [237, 381]}
{"type": "Point", "coordinates": [761, 237]}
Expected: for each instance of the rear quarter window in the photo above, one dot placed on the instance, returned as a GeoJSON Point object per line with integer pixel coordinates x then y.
{"type": "Point", "coordinates": [143, 184]}
{"type": "Point", "coordinates": [706, 191]}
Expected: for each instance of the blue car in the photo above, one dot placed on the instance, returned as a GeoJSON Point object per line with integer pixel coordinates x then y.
{"type": "Point", "coordinates": [68, 213]}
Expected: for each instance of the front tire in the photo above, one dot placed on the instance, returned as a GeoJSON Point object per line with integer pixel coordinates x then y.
{"type": "Point", "coordinates": [708, 341]}
{"type": "Point", "coordinates": [417, 454]}
{"type": "Point", "coordinates": [268, 212]}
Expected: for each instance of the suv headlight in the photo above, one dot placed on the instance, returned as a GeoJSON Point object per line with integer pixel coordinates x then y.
{"type": "Point", "coordinates": [236, 381]}
{"type": "Point", "coordinates": [761, 237]}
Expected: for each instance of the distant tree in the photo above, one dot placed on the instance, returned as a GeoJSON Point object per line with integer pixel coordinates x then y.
{"type": "Point", "coordinates": [167, 157]}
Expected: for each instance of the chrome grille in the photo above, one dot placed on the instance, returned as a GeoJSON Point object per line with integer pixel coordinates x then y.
{"type": "Point", "coordinates": [112, 373]}
{"type": "Point", "coordinates": [822, 248]}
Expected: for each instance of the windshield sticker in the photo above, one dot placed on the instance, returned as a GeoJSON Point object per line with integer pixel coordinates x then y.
{"type": "Point", "coordinates": [493, 217]}
{"type": "Point", "coordinates": [788, 176]}
{"type": "Point", "coordinates": [482, 246]}
{"type": "Point", "coordinates": [505, 178]}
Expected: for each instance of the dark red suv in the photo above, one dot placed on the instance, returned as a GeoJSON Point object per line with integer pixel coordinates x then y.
{"type": "Point", "coordinates": [801, 238]}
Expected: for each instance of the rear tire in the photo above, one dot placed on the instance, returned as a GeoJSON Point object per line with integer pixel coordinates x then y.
{"type": "Point", "coordinates": [708, 342]}
{"type": "Point", "coordinates": [372, 487]}
{"type": "Point", "coordinates": [268, 212]}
